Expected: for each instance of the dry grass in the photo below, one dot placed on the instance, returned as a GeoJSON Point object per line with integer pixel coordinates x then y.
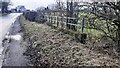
{"type": "Point", "coordinates": [50, 46]}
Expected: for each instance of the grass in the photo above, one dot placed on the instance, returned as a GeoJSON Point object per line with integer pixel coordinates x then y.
{"type": "Point", "coordinates": [57, 48]}
{"type": "Point", "coordinates": [28, 27]}
{"type": "Point", "coordinates": [92, 32]}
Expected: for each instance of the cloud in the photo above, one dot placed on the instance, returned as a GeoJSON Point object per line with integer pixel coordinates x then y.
{"type": "Point", "coordinates": [32, 4]}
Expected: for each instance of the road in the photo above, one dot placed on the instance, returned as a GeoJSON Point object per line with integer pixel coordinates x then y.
{"type": "Point", "coordinates": [5, 24]}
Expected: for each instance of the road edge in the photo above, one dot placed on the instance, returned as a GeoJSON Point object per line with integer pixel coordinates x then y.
{"type": "Point", "coordinates": [6, 47]}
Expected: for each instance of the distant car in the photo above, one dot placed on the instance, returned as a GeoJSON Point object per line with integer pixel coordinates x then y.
{"type": "Point", "coordinates": [20, 8]}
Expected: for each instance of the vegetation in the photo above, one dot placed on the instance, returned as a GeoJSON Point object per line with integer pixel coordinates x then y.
{"type": "Point", "coordinates": [4, 6]}
{"type": "Point", "coordinates": [108, 14]}
{"type": "Point", "coordinates": [49, 47]}
{"type": "Point", "coordinates": [101, 24]}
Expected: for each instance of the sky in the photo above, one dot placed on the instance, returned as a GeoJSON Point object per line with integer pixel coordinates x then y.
{"type": "Point", "coordinates": [32, 4]}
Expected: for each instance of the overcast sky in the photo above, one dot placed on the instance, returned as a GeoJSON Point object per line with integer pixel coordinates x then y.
{"type": "Point", "coordinates": [32, 4]}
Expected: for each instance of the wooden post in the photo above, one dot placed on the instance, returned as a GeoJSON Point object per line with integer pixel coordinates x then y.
{"type": "Point", "coordinates": [57, 21]}
{"type": "Point", "coordinates": [51, 20]}
{"type": "Point", "coordinates": [118, 40]}
{"type": "Point", "coordinates": [83, 36]}
{"type": "Point", "coordinates": [82, 25]}
{"type": "Point", "coordinates": [75, 22]}
{"type": "Point", "coordinates": [67, 25]}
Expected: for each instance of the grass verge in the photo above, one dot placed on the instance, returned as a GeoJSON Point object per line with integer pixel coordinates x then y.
{"type": "Point", "coordinates": [50, 47]}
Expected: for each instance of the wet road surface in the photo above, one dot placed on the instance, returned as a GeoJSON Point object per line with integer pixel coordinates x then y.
{"type": "Point", "coordinates": [5, 24]}
{"type": "Point", "coordinates": [14, 53]}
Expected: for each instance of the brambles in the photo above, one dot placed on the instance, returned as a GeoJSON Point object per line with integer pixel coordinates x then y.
{"type": "Point", "coordinates": [51, 47]}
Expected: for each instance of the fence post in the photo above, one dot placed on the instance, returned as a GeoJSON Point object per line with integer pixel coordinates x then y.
{"type": "Point", "coordinates": [57, 21]}
{"type": "Point", "coordinates": [82, 24]}
{"type": "Point", "coordinates": [51, 20]}
{"type": "Point", "coordinates": [83, 36]}
{"type": "Point", "coordinates": [75, 26]}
